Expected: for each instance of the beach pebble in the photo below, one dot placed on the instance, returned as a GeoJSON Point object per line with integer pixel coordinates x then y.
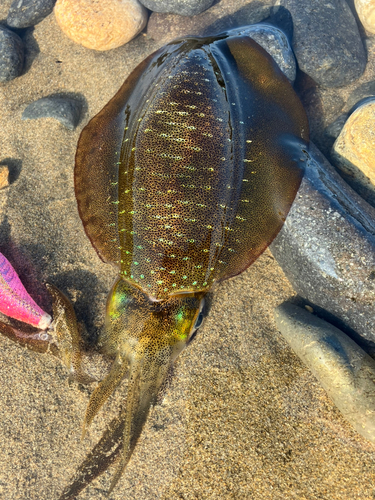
{"type": "Point", "coordinates": [66, 110]}
{"type": "Point", "coordinates": [326, 247]}
{"type": "Point", "coordinates": [11, 55]}
{"type": "Point", "coordinates": [100, 24]}
{"type": "Point", "coordinates": [326, 41]}
{"type": "Point", "coordinates": [181, 7]}
{"type": "Point", "coordinates": [25, 13]}
{"type": "Point", "coordinates": [353, 153]}
{"type": "Point", "coordinates": [366, 13]}
{"type": "Point", "coordinates": [4, 176]}
{"type": "Point", "coordinates": [344, 370]}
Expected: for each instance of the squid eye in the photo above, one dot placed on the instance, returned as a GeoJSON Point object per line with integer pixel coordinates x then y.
{"type": "Point", "coordinates": [198, 321]}
{"type": "Point", "coordinates": [201, 314]}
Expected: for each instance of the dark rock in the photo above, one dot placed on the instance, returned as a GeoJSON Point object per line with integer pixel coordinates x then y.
{"type": "Point", "coordinates": [66, 110]}
{"type": "Point", "coordinates": [326, 41]}
{"type": "Point", "coordinates": [25, 13]}
{"type": "Point", "coordinates": [11, 55]}
{"type": "Point", "coordinates": [181, 7]}
{"type": "Point", "coordinates": [326, 247]}
{"type": "Point", "coordinates": [343, 369]}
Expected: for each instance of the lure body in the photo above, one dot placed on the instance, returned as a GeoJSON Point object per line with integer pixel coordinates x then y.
{"type": "Point", "coordinates": [15, 302]}
{"type": "Point", "coordinates": [182, 180]}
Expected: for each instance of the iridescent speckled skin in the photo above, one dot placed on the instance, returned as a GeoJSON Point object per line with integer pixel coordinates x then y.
{"type": "Point", "coordinates": [182, 180]}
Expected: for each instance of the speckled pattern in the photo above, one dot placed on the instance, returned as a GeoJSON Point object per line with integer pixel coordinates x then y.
{"type": "Point", "coordinates": [201, 164]}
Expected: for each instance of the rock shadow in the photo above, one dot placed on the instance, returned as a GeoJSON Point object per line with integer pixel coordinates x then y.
{"type": "Point", "coordinates": [30, 44]}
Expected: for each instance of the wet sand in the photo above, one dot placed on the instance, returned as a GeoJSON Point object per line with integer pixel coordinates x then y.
{"type": "Point", "coordinates": [241, 417]}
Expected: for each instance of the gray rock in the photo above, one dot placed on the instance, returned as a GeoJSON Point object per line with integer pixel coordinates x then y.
{"type": "Point", "coordinates": [275, 42]}
{"type": "Point", "coordinates": [11, 55]}
{"type": "Point", "coordinates": [25, 13]}
{"type": "Point", "coordinates": [326, 247]}
{"type": "Point", "coordinates": [66, 110]}
{"type": "Point", "coordinates": [344, 370]}
{"type": "Point", "coordinates": [326, 41]}
{"type": "Point", "coordinates": [181, 7]}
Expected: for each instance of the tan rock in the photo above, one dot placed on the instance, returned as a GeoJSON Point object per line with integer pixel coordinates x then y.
{"type": "Point", "coordinates": [4, 176]}
{"type": "Point", "coordinates": [366, 13]}
{"type": "Point", "coordinates": [354, 151]}
{"type": "Point", "coordinates": [100, 24]}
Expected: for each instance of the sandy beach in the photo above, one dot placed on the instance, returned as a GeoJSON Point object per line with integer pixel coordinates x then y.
{"type": "Point", "coordinates": [241, 417]}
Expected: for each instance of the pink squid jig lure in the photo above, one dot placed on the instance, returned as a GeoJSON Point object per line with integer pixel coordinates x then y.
{"type": "Point", "coordinates": [15, 302]}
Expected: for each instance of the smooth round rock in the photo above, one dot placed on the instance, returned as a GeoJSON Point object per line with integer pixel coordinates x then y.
{"type": "Point", "coordinates": [100, 24]}
{"type": "Point", "coordinates": [25, 13]}
{"type": "Point", "coordinates": [366, 13]}
{"type": "Point", "coordinates": [326, 247]}
{"type": "Point", "coordinates": [67, 111]}
{"type": "Point", "coordinates": [326, 41]}
{"type": "Point", "coordinates": [181, 7]}
{"type": "Point", "coordinates": [353, 152]}
{"type": "Point", "coordinates": [11, 55]}
{"type": "Point", "coordinates": [343, 369]}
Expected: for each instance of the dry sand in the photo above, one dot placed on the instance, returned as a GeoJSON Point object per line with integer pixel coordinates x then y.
{"type": "Point", "coordinates": [241, 417]}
